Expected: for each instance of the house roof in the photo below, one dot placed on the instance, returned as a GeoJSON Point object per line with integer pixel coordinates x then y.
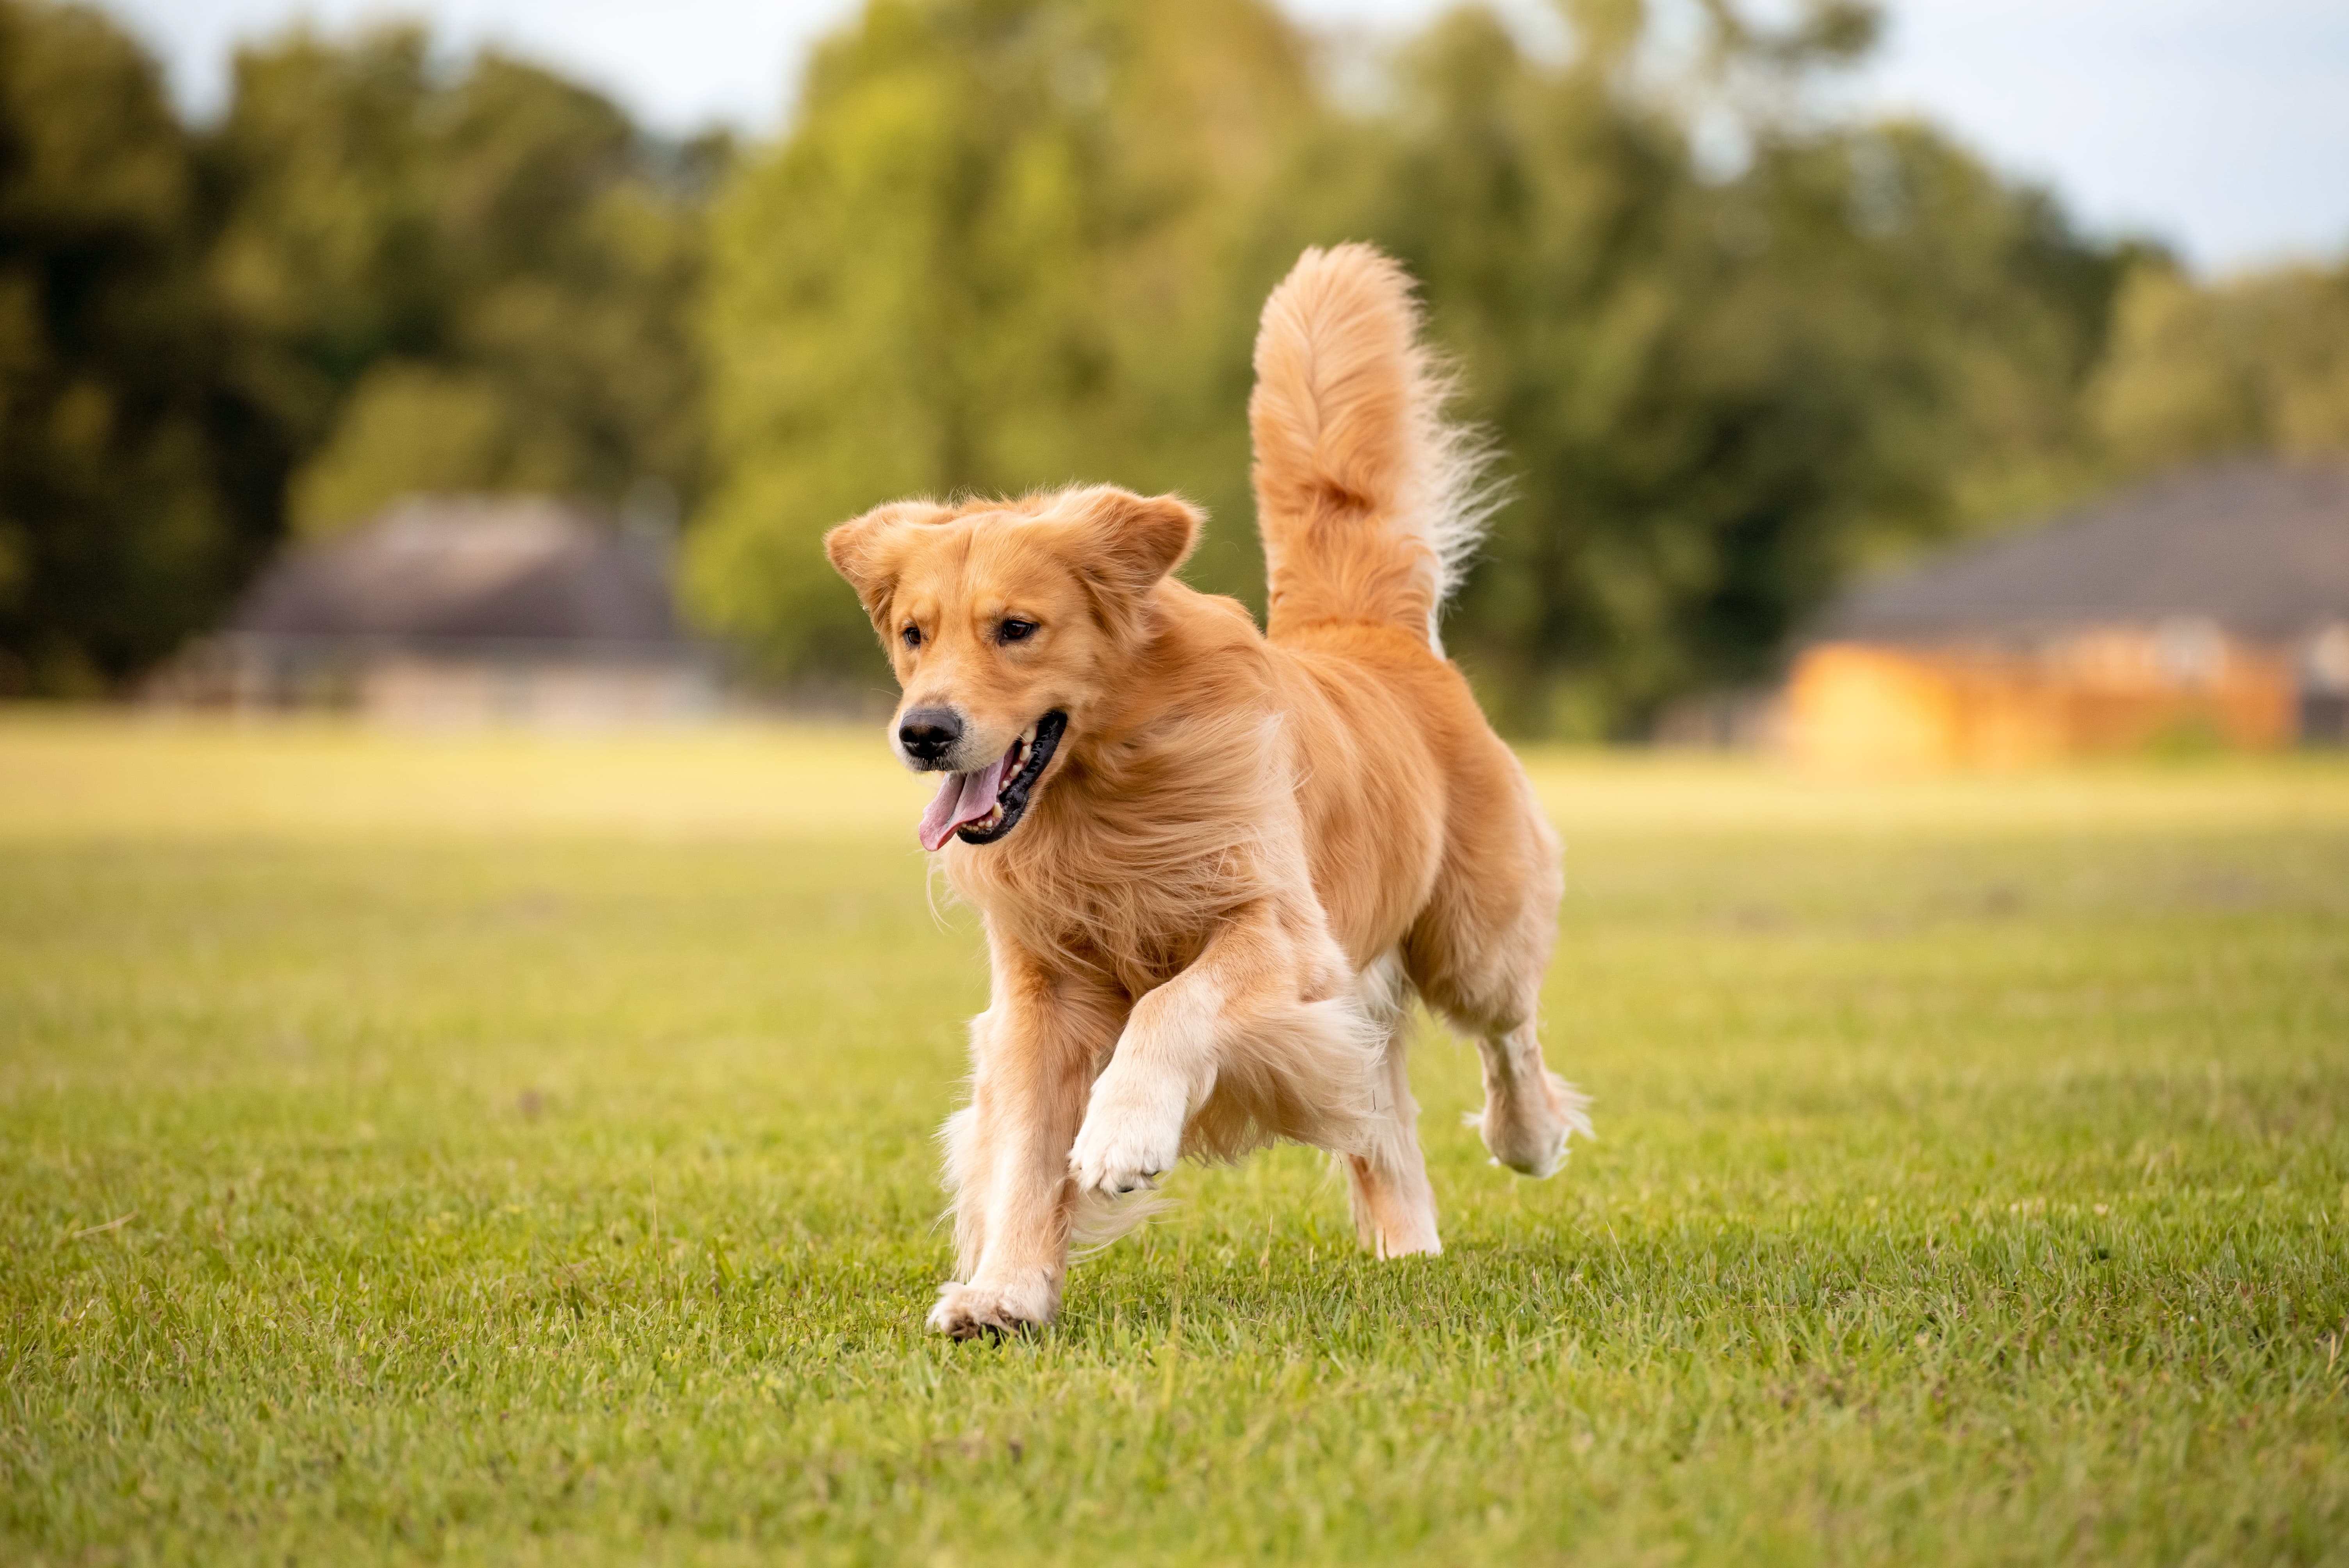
{"type": "Point", "coordinates": [2260, 548]}
{"type": "Point", "coordinates": [451, 571]}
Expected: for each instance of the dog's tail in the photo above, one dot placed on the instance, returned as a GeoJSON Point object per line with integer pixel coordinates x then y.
{"type": "Point", "coordinates": [1369, 503]}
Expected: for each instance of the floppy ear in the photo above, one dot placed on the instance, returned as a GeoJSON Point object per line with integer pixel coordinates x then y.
{"type": "Point", "coordinates": [1124, 544]}
{"type": "Point", "coordinates": [865, 549]}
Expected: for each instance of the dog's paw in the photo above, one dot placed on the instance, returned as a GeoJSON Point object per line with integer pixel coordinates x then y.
{"type": "Point", "coordinates": [973, 1311]}
{"type": "Point", "coordinates": [1528, 1132]}
{"type": "Point", "coordinates": [1128, 1139]}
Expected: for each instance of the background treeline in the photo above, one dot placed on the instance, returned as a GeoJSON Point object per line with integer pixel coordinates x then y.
{"type": "Point", "coordinates": [1732, 347]}
{"type": "Point", "coordinates": [378, 273]}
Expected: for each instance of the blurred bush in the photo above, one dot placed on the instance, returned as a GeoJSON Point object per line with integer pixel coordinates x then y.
{"type": "Point", "coordinates": [1733, 346]}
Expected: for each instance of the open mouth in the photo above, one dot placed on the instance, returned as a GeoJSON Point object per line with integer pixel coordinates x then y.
{"type": "Point", "coordinates": [981, 808]}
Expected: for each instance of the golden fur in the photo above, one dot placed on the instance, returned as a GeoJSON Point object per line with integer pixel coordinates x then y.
{"type": "Point", "coordinates": [1247, 851]}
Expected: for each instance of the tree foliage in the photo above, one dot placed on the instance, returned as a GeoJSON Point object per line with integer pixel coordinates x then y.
{"type": "Point", "coordinates": [995, 252]}
{"type": "Point", "coordinates": [1011, 243]}
{"type": "Point", "coordinates": [470, 280]}
{"type": "Point", "coordinates": [126, 458]}
{"type": "Point", "coordinates": [2254, 364]}
{"type": "Point", "coordinates": [382, 272]}
{"type": "Point", "coordinates": [1732, 347]}
{"type": "Point", "coordinates": [1718, 395]}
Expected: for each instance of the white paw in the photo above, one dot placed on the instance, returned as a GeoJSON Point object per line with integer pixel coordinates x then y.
{"type": "Point", "coordinates": [971, 1311]}
{"type": "Point", "coordinates": [1131, 1136]}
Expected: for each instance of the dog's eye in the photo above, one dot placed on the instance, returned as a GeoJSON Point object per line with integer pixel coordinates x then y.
{"type": "Point", "coordinates": [913, 636]}
{"type": "Point", "coordinates": [1016, 631]}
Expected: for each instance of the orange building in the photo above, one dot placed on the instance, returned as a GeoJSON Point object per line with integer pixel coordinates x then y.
{"type": "Point", "coordinates": [2212, 608]}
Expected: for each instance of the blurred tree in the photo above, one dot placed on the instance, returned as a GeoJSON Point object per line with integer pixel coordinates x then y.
{"type": "Point", "coordinates": [135, 485]}
{"type": "Point", "coordinates": [1732, 347]}
{"type": "Point", "coordinates": [324, 253]}
{"type": "Point", "coordinates": [1719, 391]}
{"type": "Point", "coordinates": [996, 251]}
{"type": "Point", "coordinates": [1011, 243]}
{"type": "Point", "coordinates": [2255, 363]}
{"type": "Point", "coordinates": [380, 273]}
{"type": "Point", "coordinates": [491, 249]}
{"type": "Point", "coordinates": [410, 427]}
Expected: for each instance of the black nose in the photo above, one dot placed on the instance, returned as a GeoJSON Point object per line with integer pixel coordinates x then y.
{"type": "Point", "coordinates": [927, 734]}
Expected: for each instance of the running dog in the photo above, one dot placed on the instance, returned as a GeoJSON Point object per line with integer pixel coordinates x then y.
{"type": "Point", "coordinates": [1215, 863]}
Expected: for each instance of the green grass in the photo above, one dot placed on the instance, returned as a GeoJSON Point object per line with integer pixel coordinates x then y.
{"type": "Point", "coordinates": [482, 1148]}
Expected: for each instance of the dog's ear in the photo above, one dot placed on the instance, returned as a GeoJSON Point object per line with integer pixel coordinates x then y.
{"type": "Point", "coordinates": [1125, 543]}
{"type": "Point", "coordinates": [868, 550]}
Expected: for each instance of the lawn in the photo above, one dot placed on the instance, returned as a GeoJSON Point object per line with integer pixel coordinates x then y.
{"type": "Point", "coordinates": [487, 1149]}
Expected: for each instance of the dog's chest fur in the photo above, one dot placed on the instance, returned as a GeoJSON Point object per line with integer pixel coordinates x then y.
{"type": "Point", "coordinates": [1126, 870]}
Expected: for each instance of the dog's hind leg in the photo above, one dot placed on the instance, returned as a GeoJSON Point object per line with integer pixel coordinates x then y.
{"type": "Point", "coordinates": [1008, 1151]}
{"type": "Point", "coordinates": [1394, 1207]}
{"type": "Point", "coordinates": [1478, 953]}
{"type": "Point", "coordinates": [1529, 1111]}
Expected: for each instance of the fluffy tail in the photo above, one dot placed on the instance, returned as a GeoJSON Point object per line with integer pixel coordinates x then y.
{"type": "Point", "coordinates": [1370, 504]}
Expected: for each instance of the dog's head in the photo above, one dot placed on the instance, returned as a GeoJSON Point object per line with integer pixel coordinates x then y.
{"type": "Point", "coordinates": [1008, 624]}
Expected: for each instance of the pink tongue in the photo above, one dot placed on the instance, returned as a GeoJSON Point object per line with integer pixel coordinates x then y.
{"type": "Point", "coordinates": [963, 798]}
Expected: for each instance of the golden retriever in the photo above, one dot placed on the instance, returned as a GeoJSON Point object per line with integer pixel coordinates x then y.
{"type": "Point", "coordinates": [1215, 864]}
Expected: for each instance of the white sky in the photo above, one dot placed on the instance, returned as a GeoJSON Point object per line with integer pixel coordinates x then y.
{"type": "Point", "coordinates": [2221, 125]}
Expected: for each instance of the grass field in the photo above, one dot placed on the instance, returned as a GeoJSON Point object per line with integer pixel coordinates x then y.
{"type": "Point", "coordinates": [486, 1149]}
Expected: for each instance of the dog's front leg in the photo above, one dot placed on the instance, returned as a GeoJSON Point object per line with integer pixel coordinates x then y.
{"type": "Point", "coordinates": [1261, 985]}
{"type": "Point", "coordinates": [1032, 1055]}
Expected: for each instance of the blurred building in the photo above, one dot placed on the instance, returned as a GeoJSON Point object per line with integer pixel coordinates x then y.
{"type": "Point", "coordinates": [2212, 607]}
{"type": "Point", "coordinates": [452, 611]}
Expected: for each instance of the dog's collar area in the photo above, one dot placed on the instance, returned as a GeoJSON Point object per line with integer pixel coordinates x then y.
{"type": "Point", "coordinates": [1011, 800]}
